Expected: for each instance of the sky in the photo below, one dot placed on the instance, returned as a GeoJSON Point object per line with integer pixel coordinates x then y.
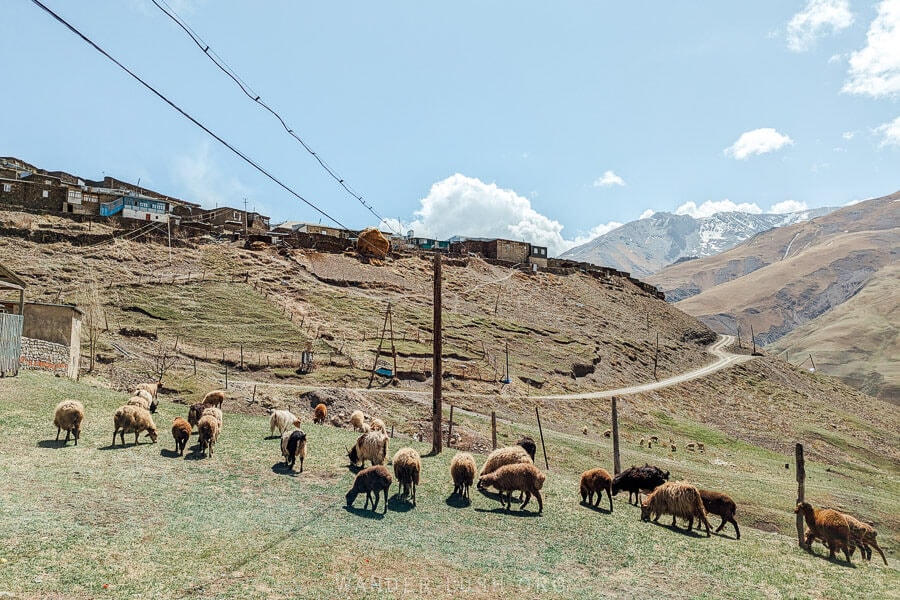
{"type": "Point", "coordinates": [548, 122]}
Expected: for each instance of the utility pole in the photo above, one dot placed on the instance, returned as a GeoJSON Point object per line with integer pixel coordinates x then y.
{"type": "Point", "coordinates": [245, 218]}
{"type": "Point", "coordinates": [437, 370]}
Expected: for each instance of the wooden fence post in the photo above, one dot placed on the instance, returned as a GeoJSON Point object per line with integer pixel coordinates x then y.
{"type": "Point", "coordinates": [450, 426]}
{"type": "Point", "coordinates": [226, 376]}
{"type": "Point", "coordinates": [801, 485]}
{"type": "Point", "coordinates": [617, 463]}
{"type": "Point", "coordinates": [494, 429]}
{"type": "Point", "coordinates": [541, 431]}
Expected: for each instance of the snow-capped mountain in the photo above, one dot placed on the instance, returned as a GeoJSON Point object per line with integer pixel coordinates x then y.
{"type": "Point", "coordinates": [645, 246]}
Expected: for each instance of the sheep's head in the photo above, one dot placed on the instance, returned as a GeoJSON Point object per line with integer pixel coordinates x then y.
{"type": "Point", "coordinates": [151, 433]}
{"type": "Point", "coordinates": [645, 510]}
{"type": "Point", "coordinates": [353, 455]}
{"type": "Point", "coordinates": [351, 497]}
{"type": "Point", "coordinates": [153, 404]}
{"type": "Point", "coordinates": [803, 507]}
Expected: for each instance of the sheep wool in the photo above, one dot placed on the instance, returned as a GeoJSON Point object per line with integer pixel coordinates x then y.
{"type": "Point", "coordinates": [320, 413]}
{"type": "Point", "coordinates": [68, 416]}
{"type": "Point", "coordinates": [407, 469]}
{"type": "Point", "coordinates": [133, 419]}
{"type": "Point", "coordinates": [828, 525]}
{"type": "Point", "coordinates": [214, 398]}
{"type": "Point", "coordinates": [717, 503]}
{"type": "Point", "coordinates": [462, 471]}
{"type": "Point", "coordinates": [357, 419]}
{"type": "Point", "coordinates": [676, 498]}
{"type": "Point", "coordinates": [181, 432]}
{"type": "Point", "coordinates": [139, 400]}
{"type": "Point", "coordinates": [372, 480]}
{"type": "Point", "coordinates": [372, 447]}
{"type": "Point", "coordinates": [281, 420]}
{"type": "Point", "coordinates": [523, 477]}
{"type": "Point", "coordinates": [596, 481]}
{"type": "Point", "coordinates": [208, 428]}
{"type": "Point", "coordinates": [503, 456]}
{"type": "Point", "coordinates": [293, 446]}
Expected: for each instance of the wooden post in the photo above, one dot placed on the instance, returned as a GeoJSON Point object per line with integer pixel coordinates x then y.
{"type": "Point", "coordinates": [450, 426]}
{"type": "Point", "coordinates": [801, 484]}
{"type": "Point", "coordinates": [253, 399]}
{"type": "Point", "coordinates": [242, 357]}
{"type": "Point", "coordinates": [226, 376]}
{"type": "Point", "coordinates": [437, 369]}
{"type": "Point", "coordinates": [812, 363]}
{"type": "Point", "coordinates": [753, 338]}
{"type": "Point", "coordinates": [617, 463]}
{"type": "Point", "coordinates": [195, 365]}
{"type": "Point", "coordinates": [493, 430]}
{"type": "Point", "coordinates": [656, 357]}
{"type": "Point", "coordinates": [541, 431]}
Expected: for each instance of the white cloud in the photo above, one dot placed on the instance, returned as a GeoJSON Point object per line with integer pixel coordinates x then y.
{"type": "Point", "coordinates": [647, 214]}
{"type": "Point", "coordinates": [890, 133]}
{"type": "Point", "coordinates": [758, 141]}
{"type": "Point", "coordinates": [609, 179]}
{"type": "Point", "coordinates": [711, 207]}
{"type": "Point", "coordinates": [204, 183]}
{"type": "Point", "coordinates": [875, 70]}
{"type": "Point", "coordinates": [788, 206]}
{"type": "Point", "coordinates": [816, 20]}
{"type": "Point", "coordinates": [466, 206]}
{"type": "Point", "coordinates": [849, 135]}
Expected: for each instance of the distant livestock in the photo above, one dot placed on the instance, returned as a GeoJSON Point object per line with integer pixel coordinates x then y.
{"type": "Point", "coordinates": [358, 420]}
{"type": "Point", "coordinates": [523, 477]}
{"type": "Point", "coordinates": [377, 425]}
{"type": "Point", "coordinates": [293, 446]}
{"type": "Point", "coordinates": [375, 479]}
{"type": "Point", "coordinates": [68, 416]}
{"type": "Point", "coordinates": [320, 413]}
{"type": "Point", "coordinates": [133, 419]}
{"type": "Point", "coordinates": [676, 498]}
{"type": "Point", "coordinates": [596, 481]}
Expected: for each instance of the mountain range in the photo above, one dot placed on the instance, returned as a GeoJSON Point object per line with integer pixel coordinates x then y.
{"type": "Point", "coordinates": [645, 246]}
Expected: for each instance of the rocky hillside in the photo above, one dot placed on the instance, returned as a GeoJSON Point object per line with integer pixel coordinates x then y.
{"type": "Point", "coordinates": [802, 275]}
{"type": "Point", "coordinates": [645, 246]}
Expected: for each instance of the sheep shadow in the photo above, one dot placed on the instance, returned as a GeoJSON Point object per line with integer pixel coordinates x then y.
{"type": "Point", "coordinates": [399, 503]}
{"type": "Point", "coordinates": [835, 561]}
{"type": "Point", "coordinates": [597, 509]}
{"type": "Point", "coordinates": [272, 437]}
{"type": "Point", "coordinates": [194, 453]}
{"type": "Point", "coordinates": [457, 501]}
{"type": "Point", "coordinates": [52, 444]}
{"type": "Point", "coordinates": [166, 453]}
{"type": "Point", "coordinates": [694, 532]}
{"type": "Point", "coordinates": [364, 512]}
{"type": "Point", "coordinates": [281, 468]}
{"type": "Point", "coordinates": [511, 512]}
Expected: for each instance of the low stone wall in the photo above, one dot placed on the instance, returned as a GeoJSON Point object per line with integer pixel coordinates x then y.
{"type": "Point", "coordinates": [44, 356]}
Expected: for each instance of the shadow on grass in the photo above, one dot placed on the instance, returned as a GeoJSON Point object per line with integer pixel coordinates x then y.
{"type": "Point", "coordinates": [398, 503]}
{"type": "Point", "coordinates": [165, 453]}
{"type": "Point", "coordinates": [598, 508]}
{"type": "Point", "coordinates": [835, 561]}
{"type": "Point", "coordinates": [513, 513]}
{"type": "Point", "coordinates": [457, 501]}
{"type": "Point", "coordinates": [281, 468]}
{"type": "Point", "coordinates": [52, 444]}
{"type": "Point", "coordinates": [364, 512]}
{"type": "Point", "coordinates": [128, 444]}
{"type": "Point", "coordinates": [194, 453]}
{"type": "Point", "coordinates": [272, 437]}
{"type": "Point", "coordinates": [695, 533]}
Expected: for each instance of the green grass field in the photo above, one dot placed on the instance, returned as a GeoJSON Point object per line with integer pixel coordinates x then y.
{"type": "Point", "coordinates": [140, 522]}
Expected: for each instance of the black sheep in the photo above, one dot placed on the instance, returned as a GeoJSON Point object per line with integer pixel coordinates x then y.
{"type": "Point", "coordinates": [529, 445]}
{"type": "Point", "coordinates": [372, 479]}
{"type": "Point", "coordinates": [635, 480]}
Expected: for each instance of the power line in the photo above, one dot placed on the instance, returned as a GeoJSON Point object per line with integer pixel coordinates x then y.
{"type": "Point", "coordinates": [247, 159]}
{"type": "Point", "coordinates": [245, 88]}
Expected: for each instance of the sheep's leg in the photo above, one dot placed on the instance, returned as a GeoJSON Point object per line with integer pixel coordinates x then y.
{"type": "Point", "coordinates": [301, 465]}
{"type": "Point", "coordinates": [737, 530]}
{"type": "Point", "coordinates": [375, 500]}
{"type": "Point", "coordinates": [57, 434]}
{"type": "Point", "coordinates": [537, 495]}
{"type": "Point", "coordinates": [875, 545]}
{"type": "Point", "coordinates": [368, 499]}
{"type": "Point", "coordinates": [414, 493]}
{"type": "Point", "coordinates": [385, 500]}
{"type": "Point", "coordinates": [527, 498]}
{"type": "Point", "coordinates": [68, 431]}
{"type": "Point", "coordinates": [136, 434]}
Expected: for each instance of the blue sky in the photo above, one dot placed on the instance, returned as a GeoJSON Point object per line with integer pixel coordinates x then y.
{"type": "Point", "coordinates": [548, 122]}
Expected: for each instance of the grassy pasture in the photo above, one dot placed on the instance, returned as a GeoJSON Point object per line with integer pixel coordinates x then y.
{"type": "Point", "coordinates": [148, 524]}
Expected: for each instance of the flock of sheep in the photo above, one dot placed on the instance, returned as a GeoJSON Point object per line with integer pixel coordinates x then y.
{"type": "Point", "coordinates": [510, 469]}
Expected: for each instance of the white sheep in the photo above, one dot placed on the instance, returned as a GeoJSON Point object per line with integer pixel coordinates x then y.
{"type": "Point", "coordinates": [68, 416]}
{"type": "Point", "coordinates": [151, 388]}
{"type": "Point", "coordinates": [208, 429]}
{"type": "Point", "coordinates": [377, 425]}
{"type": "Point", "coordinates": [281, 420]}
{"type": "Point", "coordinates": [372, 446]}
{"type": "Point", "coordinates": [133, 419]}
{"type": "Point", "coordinates": [358, 420]}
{"type": "Point", "coordinates": [139, 400]}
{"type": "Point", "coordinates": [216, 413]}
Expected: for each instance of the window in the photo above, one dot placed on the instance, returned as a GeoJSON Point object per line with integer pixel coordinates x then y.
{"type": "Point", "coordinates": [45, 194]}
{"type": "Point", "coordinates": [7, 187]}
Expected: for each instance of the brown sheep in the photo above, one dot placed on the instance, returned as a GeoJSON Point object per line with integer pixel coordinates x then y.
{"type": "Point", "coordinates": [68, 416]}
{"type": "Point", "coordinates": [372, 479]}
{"type": "Point", "coordinates": [208, 429]}
{"type": "Point", "coordinates": [828, 525]}
{"type": "Point", "coordinates": [596, 481]}
{"type": "Point", "coordinates": [195, 412]}
{"type": "Point", "coordinates": [717, 503]}
{"type": "Point", "coordinates": [676, 498]}
{"type": "Point", "coordinates": [214, 398]}
{"type": "Point", "coordinates": [462, 470]}
{"type": "Point", "coordinates": [503, 456]}
{"type": "Point", "coordinates": [181, 431]}
{"type": "Point", "coordinates": [407, 469]}
{"type": "Point", "coordinates": [320, 414]}
{"type": "Point", "coordinates": [862, 535]}
{"type": "Point", "coordinates": [524, 477]}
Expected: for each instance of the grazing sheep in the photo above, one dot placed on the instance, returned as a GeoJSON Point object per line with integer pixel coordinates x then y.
{"type": "Point", "coordinates": [529, 444]}
{"type": "Point", "coordinates": [181, 431]}
{"type": "Point", "coordinates": [133, 419]}
{"type": "Point", "coordinates": [654, 439]}
{"type": "Point", "coordinates": [195, 412]}
{"type": "Point", "coordinates": [717, 503]}
{"type": "Point", "coordinates": [214, 398]}
{"type": "Point", "coordinates": [320, 414]}
{"type": "Point", "coordinates": [372, 446]}
{"type": "Point", "coordinates": [377, 425]}
{"type": "Point", "coordinates": [635, 480]}
{"type": "Point", "coordinates": [676, 498]}
{"type": "Point", "coordinates": [607, 433]}
{"type": "Point", "coordinates": [407, 469]}
{"type": "Point", "coordinates": [68, 416]}
{"type": "Point", "coordinates": [281, 420]}
{"type": "Point", "coordinates": [357, 419]}
{"type": "Point", "coordinates": [214, 412]}
{"type": "Point", "coordinates": [503, 456]}
{"type": "Point", "coordinates": [141, 401]}
{"type": "Point", "coordinates": [462, 470]}
{"type": "Point", "coordinates": [596, 481]}
{"type": "Point", "coordinates": [862, 535]}
{"type": "Point", "coordinates": [642, 442]}
{"type": "Point", "coordinates": [293, 446]}
{"type": "Point", "coordinates": [690, 446]}
{"type": "Point", "coordinates": [828, 525]}
{"type": "Point", "coordinates": [372, 479]}
{"type": "Point", "coordinates": [208, 428]}
{"type": "Point", "coordinates": [523, 477]}
{"type": "Point", "coordinates": [152, 388]}
{"type": "Point", "coordinates": [153, 400]}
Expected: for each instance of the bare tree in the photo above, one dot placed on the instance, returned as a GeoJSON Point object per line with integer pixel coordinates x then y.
{"type": "Point", "coordinates": [94, 320]}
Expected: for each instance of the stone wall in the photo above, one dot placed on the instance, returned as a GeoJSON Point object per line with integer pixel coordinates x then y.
{"type": "Point", "coordinates": [44, 356]}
